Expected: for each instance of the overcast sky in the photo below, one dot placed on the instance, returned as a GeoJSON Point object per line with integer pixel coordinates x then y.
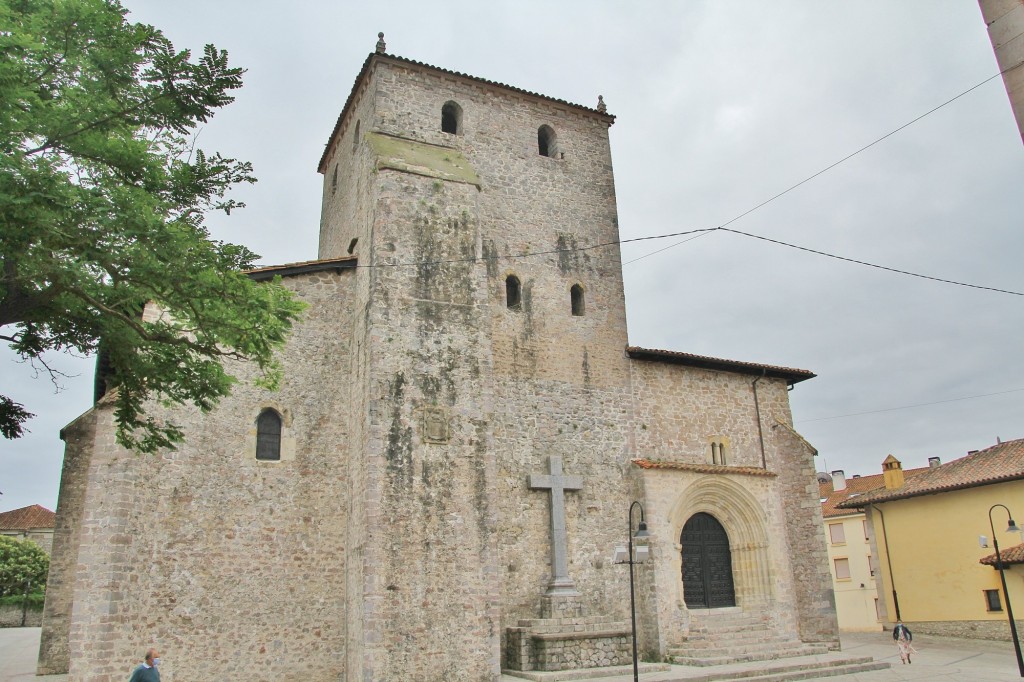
{"type": "Point", "coordinates": [720, 106]}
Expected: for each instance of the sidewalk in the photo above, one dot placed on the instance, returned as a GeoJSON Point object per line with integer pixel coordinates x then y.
{"type": "Point", "coordinates": [939, 659]}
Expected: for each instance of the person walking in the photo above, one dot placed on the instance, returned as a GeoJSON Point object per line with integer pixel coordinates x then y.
{"type": "Point", "coordinates": [903, 637]}
{"type": "Point", "coordinates": [147, 672]}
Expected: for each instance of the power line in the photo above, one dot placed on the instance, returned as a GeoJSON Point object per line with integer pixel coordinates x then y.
{"type": "Point", "coordinates": [907, 407]}
{"type": "Point", "coordinates": [870, 265]}
{"type": "Point", "coordinates": [830, 167]}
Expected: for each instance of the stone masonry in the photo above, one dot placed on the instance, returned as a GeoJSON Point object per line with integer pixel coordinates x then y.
{"type": "Point", "coordinates": [463, 335]}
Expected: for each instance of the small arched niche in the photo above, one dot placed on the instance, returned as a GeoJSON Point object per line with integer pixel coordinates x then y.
{"type": "Point", "coordinates": [268, 435]}
{"type": "Point", "coordinates": [513, 293]}
{"type": "Point", "coordinates": [547, 142]}
{"type": "Point", "coordinates": [451, 118]}
{"type": "Point", "coordinates": [576, 299]}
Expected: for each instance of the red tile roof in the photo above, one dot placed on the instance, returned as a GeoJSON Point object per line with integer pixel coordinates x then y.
{"type": "Point", "coordinates": [27, 517]}
{"type": "Point", "coordinates": [1013, 555]}
{"type": "Point", "coordinates": [676, 357]}
{"type": "Point", "coordinates": [701, 468]}
{"type": "Point", "coordinates": [855, 487]}
{"type": "Point", "coordinates": [305, 267]}
{"type": "Point", "coordinates": [997, 464]}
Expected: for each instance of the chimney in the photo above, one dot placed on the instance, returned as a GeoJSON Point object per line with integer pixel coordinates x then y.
{"type": "Point", "coordinates": [838, 480]}
{"type": "Point", "coordinates": [934, 462]}
{"type": "Point", "coordinates": [892, 473]}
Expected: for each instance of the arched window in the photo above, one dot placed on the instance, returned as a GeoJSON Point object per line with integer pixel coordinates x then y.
{"type": "Point", "coordinates": [268, 435]}
{"type": "Point", "coordinates": [451, 118]}
{"type": "Point", "coordinates": [355, 138]}
{"type": "Point", "coordinates": [547, 142]}
{"type": "Point", "coordinates": [576, 297]}
{"type": "Point", "coordinates": [513, 293]}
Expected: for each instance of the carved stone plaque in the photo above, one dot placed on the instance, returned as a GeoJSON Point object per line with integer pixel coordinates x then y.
{"type": "Point", "coordinates": [435, 425]}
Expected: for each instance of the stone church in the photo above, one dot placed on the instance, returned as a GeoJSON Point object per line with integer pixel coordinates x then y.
{"type": "Point", "coordinates": [438, 489]}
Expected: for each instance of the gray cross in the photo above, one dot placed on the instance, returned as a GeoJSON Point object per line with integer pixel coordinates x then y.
{"type": "Point", "coordinates": [558, 483]}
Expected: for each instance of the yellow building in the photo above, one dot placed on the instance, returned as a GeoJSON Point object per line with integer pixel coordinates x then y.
{"type": "Point", "coordinates": [930, 538]}
{"type": "Point", "coordinates": [848, 538]}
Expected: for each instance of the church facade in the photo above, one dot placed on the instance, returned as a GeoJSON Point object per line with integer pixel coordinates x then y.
{"type": "Point", "coordinates": [437, 490]}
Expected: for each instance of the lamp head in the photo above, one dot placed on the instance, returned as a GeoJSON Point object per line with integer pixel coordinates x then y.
{"type": "Point", "coordinates": [641, 532]}
{"type": "Point", "coordinates": [1012, 528]}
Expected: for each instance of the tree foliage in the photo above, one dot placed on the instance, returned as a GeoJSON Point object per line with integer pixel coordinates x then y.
{"type": "Point", "coordinates": [23, 563]}
{"type": "Point", "coordinates": [103, 195]}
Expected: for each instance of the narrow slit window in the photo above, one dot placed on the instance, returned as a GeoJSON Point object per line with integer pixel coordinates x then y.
{"type": "Point", "coordinates": [513, 293]}
{"type": "Point", "coordinates": [451, 118]}
{"type": "Point", "coordinates": [578, 304]}
{"type": "Point", "coordinates": [547, 142]}
{"type": "Point", "coordinates": [334, 179]}
{"type": "Point", "coordinates": [268, 435]}
{"type": "Point", "coordinates": [355, 138]}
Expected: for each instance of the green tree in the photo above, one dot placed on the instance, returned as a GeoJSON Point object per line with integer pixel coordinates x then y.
{"type": "Point", "coordinates": [103, 195]}
{"type": "Point", "coordinates": [22, 563]}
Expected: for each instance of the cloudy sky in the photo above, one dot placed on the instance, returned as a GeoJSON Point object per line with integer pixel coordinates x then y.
{"type": "Point", "coordinates": [720, 106]}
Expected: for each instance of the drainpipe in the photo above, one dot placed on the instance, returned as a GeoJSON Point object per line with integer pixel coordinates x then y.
{"type": "Point", "coordinates": [757, 411]}
{"type": "Point", "coordinates": [888, 560]}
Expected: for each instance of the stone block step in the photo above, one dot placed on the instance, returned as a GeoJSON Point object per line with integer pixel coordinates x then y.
{"type": "Point", "coordinates": [741, 645]}
{"type": "Point", "coordinates": [729, 655]}
{"type": "Point", "coordinates": [809, 673]}
{"type": "Point", "coordinates": [740, 638]}
{"type": "Point", "coordinates": [586, 673]}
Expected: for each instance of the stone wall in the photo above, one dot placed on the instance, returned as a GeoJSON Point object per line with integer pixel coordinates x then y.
{"type": "Point", "coordinates": [228, 564]}
{"type": "Point", "coordinates": [11, 617]}
{"type": "Point", "coordinates": [968, 629]}
{"type": "Point", "coordinates": [79, 440]}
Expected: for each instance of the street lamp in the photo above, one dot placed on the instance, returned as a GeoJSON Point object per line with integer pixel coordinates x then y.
{"type": "Point", "coordinates": [624, 555]}
{"type": "Point", "coordinates": [1011, 528]}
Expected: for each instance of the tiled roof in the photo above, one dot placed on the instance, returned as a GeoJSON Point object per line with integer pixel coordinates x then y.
{"type": "Point", "coordinates": [996, 464]}
{"type": "Point", "coordinates": [373, 57]}
{"type": "Point", "coordinates": [305, 267]}
{"type": "Point", "coordinates": [855, 488]}
{"type": "Point", "coordinates": [702, 468]}
{"type": "Point", "coordinates": [27, 517]}
{"type": "Point", "coordinates": [788, 373]}
{"type": "Point", "coordinates": [1013, 555]}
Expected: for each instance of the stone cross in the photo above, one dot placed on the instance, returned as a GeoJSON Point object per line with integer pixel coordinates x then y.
{"type": "Point", "coordinates": [558, 483]}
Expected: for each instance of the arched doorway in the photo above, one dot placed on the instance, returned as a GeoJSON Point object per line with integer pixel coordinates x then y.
{"type": "Point", "coordinates": [707, 563]}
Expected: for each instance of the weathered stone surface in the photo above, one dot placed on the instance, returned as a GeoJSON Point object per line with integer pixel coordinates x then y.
{"type": "Point", "coordinates": [400, 539]}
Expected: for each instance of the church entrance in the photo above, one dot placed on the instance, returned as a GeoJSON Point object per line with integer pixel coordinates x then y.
{"type": "Point", "coordinates": [707, 563]}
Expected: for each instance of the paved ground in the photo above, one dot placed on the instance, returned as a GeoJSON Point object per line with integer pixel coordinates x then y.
{"type": "Point", "coordinates": [939, 659]}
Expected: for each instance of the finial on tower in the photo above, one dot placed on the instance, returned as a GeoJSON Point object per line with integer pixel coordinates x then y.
{"type": "Point", "coordinates": [601, 105]}
{"type": "Point", "coordinates": [381, 46]}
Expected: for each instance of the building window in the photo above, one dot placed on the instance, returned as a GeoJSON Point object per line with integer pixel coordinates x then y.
{"type": "Point", "coordinates": [513, 293]}
{"type": "Point", "coordinates": [865, 523]}
{"type": "Point", "coordinates": [576, 297]}
{"type": "Point", "coordinates": [268, 435]}
{"type": "Point", "coordinates": [718, 452]}
{"type": "Point", "coordinates": [878, 610]}
{"type": "Point", "coordinates": [842, 569]}
{"type": "Point", "coordinates": [451, 118]}
{"type": "Point", "coordinates": [992, 601]}
{"type": "Point", "coordinates": [355, 138]}
{"type": "Point", "coordinates": [837, 533]}
{"type": "Point", "coordinates": [334, 179]}
{"type": "Point", "coordinates": [871, 567]}
{"type": "Point", "coordinates": [547, 142]}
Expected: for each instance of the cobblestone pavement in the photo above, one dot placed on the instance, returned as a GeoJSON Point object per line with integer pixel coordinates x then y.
{"type": "Point", "coordinates": [939, 659]}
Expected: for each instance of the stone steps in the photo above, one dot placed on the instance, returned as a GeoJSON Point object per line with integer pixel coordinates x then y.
{"type": "Point", "coordinates": [788, 672]}
{"type": "Point", "coordinates": [716, 656]}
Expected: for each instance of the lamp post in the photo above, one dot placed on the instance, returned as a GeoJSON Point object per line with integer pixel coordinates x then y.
{"type": "Point", "coordinates": [1011, 528]}
{"type": "Point", "coordinates": [625, 555]}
